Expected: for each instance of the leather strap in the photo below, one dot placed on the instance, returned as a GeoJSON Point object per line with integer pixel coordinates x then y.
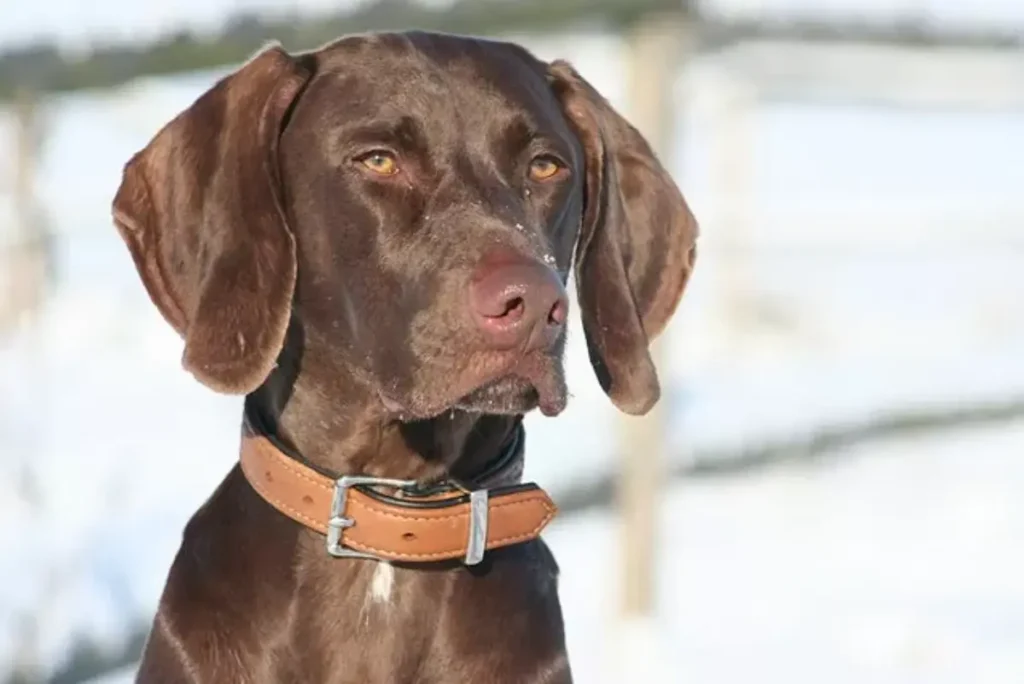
{"type": "Point", "coordinates": [410, 526]}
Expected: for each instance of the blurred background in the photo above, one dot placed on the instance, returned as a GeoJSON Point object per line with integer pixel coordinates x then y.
{"type": "Point", "coordinates": [830, 488]}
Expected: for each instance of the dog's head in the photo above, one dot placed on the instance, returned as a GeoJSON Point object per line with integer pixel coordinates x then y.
{"type": "Point", "coordinates": [413, 203]}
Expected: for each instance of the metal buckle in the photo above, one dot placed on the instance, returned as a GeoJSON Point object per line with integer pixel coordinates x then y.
{"type": "Point", "coordinates": [338, 523]}
{"type": "Point", "coordinates": [479, 507]}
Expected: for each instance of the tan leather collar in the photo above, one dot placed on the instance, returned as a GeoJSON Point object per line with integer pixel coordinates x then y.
{"type": "Point", "coordinates": [446, 521]}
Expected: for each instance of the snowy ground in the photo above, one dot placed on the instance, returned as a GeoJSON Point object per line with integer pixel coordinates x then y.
{"type": "Point", "coordinates": [895, 564]}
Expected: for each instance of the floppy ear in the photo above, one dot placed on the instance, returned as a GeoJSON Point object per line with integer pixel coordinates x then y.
{"type": "Point", "coordinates": [200, 209]}
{"type": "Point", "coordinates": [636, 249]}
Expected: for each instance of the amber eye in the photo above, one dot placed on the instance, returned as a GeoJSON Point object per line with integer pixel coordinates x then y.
{"type": "Point", "coordinates": [380, 162]}
{"type": "Point", "coordinates": [542, 168]}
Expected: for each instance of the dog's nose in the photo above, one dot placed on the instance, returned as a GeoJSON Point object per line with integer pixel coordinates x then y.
{"type": "Point", "coordinates": [518, 303]}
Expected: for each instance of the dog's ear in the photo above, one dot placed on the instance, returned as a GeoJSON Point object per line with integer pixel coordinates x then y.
{"type": "Point", "coordinates": [200, 208]}
{"type": "Point", "coordinates": [637, 244]}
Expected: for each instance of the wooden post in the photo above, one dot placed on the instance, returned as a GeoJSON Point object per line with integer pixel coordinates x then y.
{"type": "Point", "coordinates": [26, 251]}
{"type": "Point", "coordinates": [24, 262]}
{"type": "Point", "coordinates": [654, 53]}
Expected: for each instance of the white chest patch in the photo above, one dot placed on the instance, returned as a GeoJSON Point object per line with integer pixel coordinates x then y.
{"type": "Point", "coordinates": [382, 584]}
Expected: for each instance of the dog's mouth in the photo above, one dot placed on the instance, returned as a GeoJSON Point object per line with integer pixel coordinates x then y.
{"type": "Point", "coordinates": [531, 384]}
{"type": "Point", "coordinates": [534, 382]}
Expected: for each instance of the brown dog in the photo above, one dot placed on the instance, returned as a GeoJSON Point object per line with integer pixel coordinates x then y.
{"type": "Point", "coordinates": [371, 241]}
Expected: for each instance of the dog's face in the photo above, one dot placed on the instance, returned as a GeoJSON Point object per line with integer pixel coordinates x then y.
{"type": "Point", "coordinates": [413, 203]}
{"type": "Point", "coordinates": [417, 168]}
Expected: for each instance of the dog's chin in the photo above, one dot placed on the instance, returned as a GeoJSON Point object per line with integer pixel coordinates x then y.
{"type": "Point", "coordinates": [508, 395]}
{"type": "Point", "coordinates": [495, 385]}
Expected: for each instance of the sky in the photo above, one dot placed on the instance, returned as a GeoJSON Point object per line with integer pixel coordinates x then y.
{"type": "Point", "coordinates": [76, 23]}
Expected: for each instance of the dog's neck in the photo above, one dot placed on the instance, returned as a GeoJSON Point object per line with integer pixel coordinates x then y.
{"type": "Point", "coordinates": [355, 435]}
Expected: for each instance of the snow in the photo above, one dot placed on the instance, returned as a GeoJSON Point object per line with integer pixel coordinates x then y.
{"type": "Point", "coordinates": [122, 676]}
{"type": "Point", "coordinates": [894, 563]}
{"type": "Point", "coordinates": [898, 561]}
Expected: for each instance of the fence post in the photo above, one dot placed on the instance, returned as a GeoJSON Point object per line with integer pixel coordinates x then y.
{"type": "Point", "coordinates": [655, 48]}
{"type": "Point", "coordinates": [26, 251]}
{"type": "Point", "coordinates": [24, 264]}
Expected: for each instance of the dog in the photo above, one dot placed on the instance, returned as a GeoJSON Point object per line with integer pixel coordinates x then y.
{"type": "Point", "coordinates": [372, 242]}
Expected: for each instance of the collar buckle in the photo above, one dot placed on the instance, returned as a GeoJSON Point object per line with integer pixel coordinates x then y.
{"type": "Point", "coordinates": [479, 507]}
{"type": "Point", "coordinates": [338, 523]}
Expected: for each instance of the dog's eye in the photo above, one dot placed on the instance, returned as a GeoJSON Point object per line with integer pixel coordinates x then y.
{"type": "Point", "coordinates": [544, 168]}
{"type": "Point", "coordinates": [380, 162]}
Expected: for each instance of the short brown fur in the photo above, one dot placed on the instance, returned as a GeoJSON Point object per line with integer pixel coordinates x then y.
{"type": "Point", "coordinates": [335, 301]}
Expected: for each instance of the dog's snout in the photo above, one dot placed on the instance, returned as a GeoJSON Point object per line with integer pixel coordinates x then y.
{"type": "Point", "coordinates": [518, 303]}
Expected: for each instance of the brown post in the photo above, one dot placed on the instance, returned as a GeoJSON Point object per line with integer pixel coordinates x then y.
{"type": "Point", "coordinates": [655, 49]}
{"type": "Point", "coordinates": [24, 251]}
